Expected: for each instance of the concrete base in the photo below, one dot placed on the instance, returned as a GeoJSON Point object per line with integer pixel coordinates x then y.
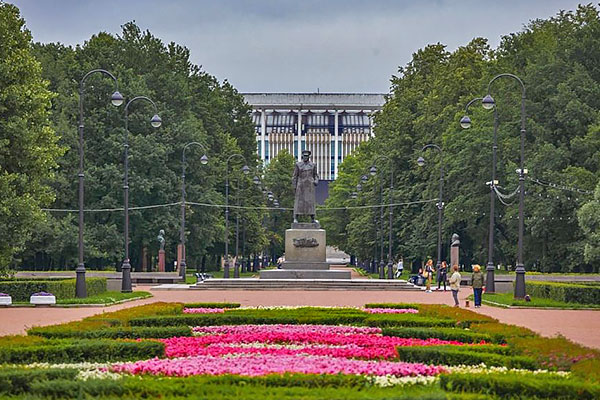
{"type": "Point", "coordinates": [305, 245]}
{"type": "Point", "coordinates": [42, 300]}
{"type": "Point", "coordinates": [303, 274]}
{"type": "Point", "coordinates": [305, 265]}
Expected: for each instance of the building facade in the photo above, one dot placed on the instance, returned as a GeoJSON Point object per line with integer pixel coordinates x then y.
{"type": "Point", "coordinates": [330, 125]}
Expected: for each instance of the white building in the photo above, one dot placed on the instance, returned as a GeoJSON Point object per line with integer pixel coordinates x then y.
{"type": "Point", "coordinates": [330, 125]}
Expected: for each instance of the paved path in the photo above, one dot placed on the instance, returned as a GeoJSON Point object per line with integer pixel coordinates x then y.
{"type": "Point", "coordinates": [581, 326]}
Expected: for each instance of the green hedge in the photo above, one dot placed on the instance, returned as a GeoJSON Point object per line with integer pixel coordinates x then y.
{"type": "Point", "coordinates": [18, 380]}
{"type": "Point", "coordinates": [81, 351]}
{"type": "Point", "coordinates": [22, 289]}
{"type": "Point", "coordinates": [118, 332]}
{"type": "Point", "coordinates": [520, 386]}
{"type": "Point", "coordinates": [458, 334]}
{"type": "Point", "coordinates": [566, 292]}
{"type": "Point", "coordinates": [462, 355]}
{"type": "Point", "coordinates": [212, 305]}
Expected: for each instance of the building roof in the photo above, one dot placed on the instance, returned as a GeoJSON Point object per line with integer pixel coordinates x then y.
{"type": "Point", "coordinates": [316, 101]}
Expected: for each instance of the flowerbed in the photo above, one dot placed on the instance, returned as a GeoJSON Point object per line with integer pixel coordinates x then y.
{"type": "Point", "coordinates": [203, 310]}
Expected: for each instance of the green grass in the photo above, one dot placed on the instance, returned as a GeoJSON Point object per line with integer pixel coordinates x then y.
{"type": "Point", "coordinates": [106, 298]}
{"type": "Point", "coordinates": [509, 300]}
{"type": "Point", "coordinates": [191, 278]}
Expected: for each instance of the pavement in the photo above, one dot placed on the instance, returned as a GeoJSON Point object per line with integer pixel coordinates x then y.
{"type": "Point", "coordinates": [581, 326]}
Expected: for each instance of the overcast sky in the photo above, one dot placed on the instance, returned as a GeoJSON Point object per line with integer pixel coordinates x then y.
{"type": "Point", "coordinates": [293, 45]}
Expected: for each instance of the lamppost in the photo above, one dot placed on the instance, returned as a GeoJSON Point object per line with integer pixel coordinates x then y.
{"type": "Point", "coordinates": [116, 99]}
{"type": "Point", "coordinates": [465, 122]}
{"type": "Point", "coordinates": [245, 170]}
{"type": "Point", "coordinates": [203, 161]}
{"type": "Point", "coordinates": [488, 103]}
{"type": "Point", "coordinates": [373, 172]}
{"type": "Point", "coordinates": [155, 121]}
{"type": "Point", "coordinates": [440, 203]}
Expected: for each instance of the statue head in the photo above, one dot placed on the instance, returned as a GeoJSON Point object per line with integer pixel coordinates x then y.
{"type": "Point", "coordinates": [455, 240]}
{"type": "Point", "coordinates": [306, 155]}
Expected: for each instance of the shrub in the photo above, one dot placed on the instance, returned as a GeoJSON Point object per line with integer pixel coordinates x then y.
{"type": "Point", "coordinates": [18, 380]}
{"type": "Point", "coordinates": [80, 351]}
{"type": "Point", "coordinates": [73, 329]}
{"type": "Point", "coordinates": [588, 369]}
{"type": "Point", "coordinates": [565, 292]}
{"type": "Point", "coordinates": [458, 334]}
{"type": "Point", "coordinates": [520, 386]}
{"type": "Point", "coordinates": [501, 332]}
{"type": "Point", "coordinates": [117, 332]}
{"type": "Point", "coordinates": [212, 305]}
{"type": "Point", "coordinates": [559, 352]}
{"type": "Point", "coordinates": [22, 289]}
{"type": "Point", "coordinates": [462, 355]}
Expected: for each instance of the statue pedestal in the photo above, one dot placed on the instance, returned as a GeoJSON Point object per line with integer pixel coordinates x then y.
{"type": "Point", "coordinates": [305, 258]}
{"type": "Point", "coordinates": [161, 261]}
{"type": "Point", "coordinates": [454, 258]}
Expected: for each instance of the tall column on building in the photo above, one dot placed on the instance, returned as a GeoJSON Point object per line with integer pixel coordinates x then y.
{"type": "Point", "coordinates": [299, 134]}
{"type": "Point", "coordinates": [263, 130]}
{"type": "Point", "coordinates": [336, 127]}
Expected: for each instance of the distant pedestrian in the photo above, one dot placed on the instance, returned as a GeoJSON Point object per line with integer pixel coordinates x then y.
{"type": "Point", "coordinates": [455, 284]}
{"type": "Point", "coordinates": [399, 269]}
{"type": "Point", "coordinates": [478, 282]}
{"type": "Point", "coordinates": [429, 274]}
{"type": "Point", "coordinates": [442, 274]}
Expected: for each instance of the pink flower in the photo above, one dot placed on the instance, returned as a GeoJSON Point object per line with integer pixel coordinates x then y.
{"type": "Point", "coordinates": [201, 310]}
{"type": "Point", "coordinates": [391, 310]}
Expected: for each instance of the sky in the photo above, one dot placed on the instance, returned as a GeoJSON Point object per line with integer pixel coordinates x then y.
{"type": "Point", "coordinates": [293, 45]}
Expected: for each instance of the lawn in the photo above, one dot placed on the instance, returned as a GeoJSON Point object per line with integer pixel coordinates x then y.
{"type": "Point", "coordinates": [507, 299]}
{"type": "Point", "coordinates": [219, 350]}
{"type": "Point", "coordinates": [106, 298]}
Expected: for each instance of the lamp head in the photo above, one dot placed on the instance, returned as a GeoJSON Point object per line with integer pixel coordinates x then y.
{"type": "Point", "coordinates": [364, 178]}
{"type": "Point", "coordinates": [204, 160]}
{"type": "Point", "coordinates": [488, 102]}
{"type": "Point", "coordinates": [256, 180]}
{"type": "Point", "coordinates": [359, 187]}
{"type": "Point", "coordinates": [421, 161]}
{"type": "Point", "coordinates": [116, 99]}
{"type": "Point", "coordinates": [354, 195]}
{"type": "Point", "coordinates": [465, 122]}
{"type": "Point", "coordinates": [245, 170]}
{"type": "Point", "coordinates": [156, 121]}
{"type": "Point", "coordinates": [373, 170]}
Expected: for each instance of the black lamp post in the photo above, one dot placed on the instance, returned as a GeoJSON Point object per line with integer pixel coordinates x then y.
{"type": "Point", "coordinates": [488, 103]}
{"type": "Point", "coordinates": [116, 99]}
{"type": "Point", "coordinates": [373, 172]}
{"type": "Point", "coordinates": [203, 161]}
{"type": "Point", "coordinates": [155, 121]}
{"type": "Point", "coordinates": [440, 203]}
{"type": "Point", "coordinates": [465, 122]}
{"type": "Point", "coordinates": [245, 170]}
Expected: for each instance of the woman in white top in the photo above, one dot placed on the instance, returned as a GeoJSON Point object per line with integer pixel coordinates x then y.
{"type": "Point", "coordinates": [455, 284]}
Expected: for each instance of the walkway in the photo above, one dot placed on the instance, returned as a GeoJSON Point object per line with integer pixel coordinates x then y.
{"type": "Point", "coordinates": [581, 326]}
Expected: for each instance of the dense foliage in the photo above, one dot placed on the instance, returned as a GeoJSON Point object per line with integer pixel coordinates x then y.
{"type": "Point", "coordinates": [557, 59]}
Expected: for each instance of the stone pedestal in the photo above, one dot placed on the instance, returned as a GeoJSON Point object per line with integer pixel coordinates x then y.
{"type": "Point", "coordinates": [305, 255]}
{"type": "Point", "coordinates": [454, 256]}
{"type": "Point", "coordinates": [161, 261]}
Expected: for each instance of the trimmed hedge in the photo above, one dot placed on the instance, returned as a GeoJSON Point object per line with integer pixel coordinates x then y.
{"type": "Point", "coordinates": [81, 351]}
{"type": "Point", "coordinates": [212, 305]}
{"type": "Point", "coordinates": [458, 334]}
{"type": "Point", "coordinates": [565, 292]}
{"type": "Point", "coordinates": [117, 332]}
{"type": "Point", "coordinates": [520, 386]}
{"type": "Point", "coordinates": [462, 355]}
{"type": "Point", "coordinates": [18, 380]}
{"type": "Point", "coordinates": [22, 289]}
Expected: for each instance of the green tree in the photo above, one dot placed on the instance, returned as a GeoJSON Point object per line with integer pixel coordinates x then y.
{"type": "Point", "coordinates": [589, 220]}
{"type": "Point", "coordinates": [28, 145]}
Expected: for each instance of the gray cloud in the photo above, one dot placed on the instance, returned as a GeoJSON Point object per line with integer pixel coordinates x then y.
{"type": "Point", "coordinates": [293, 46]}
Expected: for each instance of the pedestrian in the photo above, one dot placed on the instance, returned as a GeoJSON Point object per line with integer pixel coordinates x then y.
{"type": "Point", "coordinates": [443, 274]}
{"type": "Point", "coordinates": [455, 284]}
{"type": "Point", "coordinates": [399, 269]}
{"type": "Point", "coordinates": [429, 274]}
{"type": "Point", "coordinates": [478, 282]}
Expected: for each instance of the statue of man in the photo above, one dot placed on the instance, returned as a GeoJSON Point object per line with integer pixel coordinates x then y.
{"type": "Point", "coordinates": [161, 239]}
{"type": "Point", "coordinates": [304, 181]}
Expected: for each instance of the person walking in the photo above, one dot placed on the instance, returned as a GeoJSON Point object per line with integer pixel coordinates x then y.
{"type": "Point", "coordinates": [442, 274]}
{"type": "Point", "coordinates": [399, 269]}
{"type": "Point", "coordinates": [455, 284]}
{"type": "Point", "coordinates": [429, 274]}
{"type": "Point", "coordinates": [478, 282]}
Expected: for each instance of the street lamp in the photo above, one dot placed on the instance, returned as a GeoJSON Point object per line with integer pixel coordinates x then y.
{"type": "Point", "coordinates": [465, 122]}
{"type": "Point", "coordinates": [245, 170]}
{"type": "Point", "coordinates": [373, 172]}
{"type": "Point", "coordinates": [440, 203]}
{"type": "Point", "coordinates": [488, 102]}
{"type": "Point", "coordinates": [203, 161]}
{"type": "Point", "coordinates": [116, 99]}
{"type": "Point", "coordinates": [155, 121]}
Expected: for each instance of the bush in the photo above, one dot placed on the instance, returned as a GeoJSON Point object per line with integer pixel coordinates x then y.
{"type": "Point", "coordinates": [521, 386]}
{"type": "Point", "coordinates": [501, 332]}
{"type": "Point", "coordinates": [462, 355]}
{"type": "Point", "coordinates": [557, 353]}
{"type": "Point", "coordinates": [565, 292]}
{"type": "Point", "coordinates": [18, 380]}
{"type": "Point", "coordinates": [81, 351]}
{"type": "Point", "coordinates": [458, 334]}
{"type": "Point", "coordinates": [117, 332]}
{"type": "Point", "coordinates": [212, 305]}
{"type": "Point", "coordinates": [22, 289]}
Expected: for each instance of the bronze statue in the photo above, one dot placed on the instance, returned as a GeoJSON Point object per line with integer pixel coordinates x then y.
{"type": "Point", "coordinates": [305, 180]}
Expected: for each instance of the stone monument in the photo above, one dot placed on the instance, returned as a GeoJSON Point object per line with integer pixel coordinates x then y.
{"type": "Point", "coordinates": [305, 242]}
{"type": "Point", "coordinates": [161, 252]}
{"type": "Point", "coordinates": [454, 250]}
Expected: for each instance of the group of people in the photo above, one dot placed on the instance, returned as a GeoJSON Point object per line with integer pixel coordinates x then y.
{"type": "Point", "coordinates": [477, 280]}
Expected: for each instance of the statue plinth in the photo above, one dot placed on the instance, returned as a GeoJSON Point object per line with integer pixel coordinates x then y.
{"type": "Point", "coordinates": [305, 257]}
{"type": "Point", "coordinates": [161, 261]}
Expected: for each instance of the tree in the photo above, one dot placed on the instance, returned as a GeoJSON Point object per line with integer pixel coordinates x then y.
{"type": "Point", "coordinates": [589, 221]}
{"type": "Point", "coordinates": [28, 145]}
